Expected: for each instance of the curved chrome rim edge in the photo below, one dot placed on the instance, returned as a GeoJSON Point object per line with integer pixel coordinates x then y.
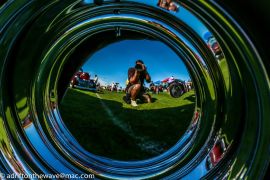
{"type": "Point", "coordinates": [239, 81]}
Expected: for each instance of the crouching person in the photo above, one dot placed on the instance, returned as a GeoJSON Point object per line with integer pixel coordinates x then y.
{"type": "Point", "coordinates": [135, 88]}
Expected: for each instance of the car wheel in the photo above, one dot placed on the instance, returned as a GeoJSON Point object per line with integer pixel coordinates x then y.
{"type": "Point", "coordinates": [176, 90]}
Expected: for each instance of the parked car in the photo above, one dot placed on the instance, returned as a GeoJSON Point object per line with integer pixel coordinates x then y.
{"type": "Point", "coordinates": [81, 80]}
{"type": "Point", "coordinates": [176, 87]}
{"type": "Point", "coordinates": [214, 46]}
{"type": "Point", "coordinates": [216, 154]}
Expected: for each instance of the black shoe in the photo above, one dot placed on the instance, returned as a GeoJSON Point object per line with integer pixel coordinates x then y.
{"type": "Point", "coordinates": [127, 99]}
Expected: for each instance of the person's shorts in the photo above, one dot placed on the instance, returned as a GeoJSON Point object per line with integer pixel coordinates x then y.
{"type": "Point", "coordinates": [130, 88]}
{"type": "Point", "coordinates": [141, 94]}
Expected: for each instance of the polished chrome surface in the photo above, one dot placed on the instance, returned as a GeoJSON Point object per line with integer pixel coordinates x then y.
{"type": "Point", "coordinates": [228, 136]}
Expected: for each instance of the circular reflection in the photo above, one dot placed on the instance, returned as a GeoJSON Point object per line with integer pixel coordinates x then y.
{"type": "Point", "coordinates": [132, 99]}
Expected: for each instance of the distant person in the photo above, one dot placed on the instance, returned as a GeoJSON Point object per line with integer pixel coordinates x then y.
{"type": "Point", "coordinates": [162, 4]}
{"type": "Point", "coordinates": [97, 83]}
{"type": "Point", "coordinates": [152, 87]}
{"type": "Point", "coordinates": [169, 5]}
{"type": "Point", "coordinates": [96, 79]}
{"type": "Point", "coordinates": [167, 82]}
{"type": "Point", "coordinates": [171, 79]}
{"type": "Point", "coordinates": [116, 87]}
{"type": "Point", "coordinates": [172, 6]}
{"type": "Point", "coordinates": [112, 86]}
{"type": "Point", "coordinates": [135, 88]}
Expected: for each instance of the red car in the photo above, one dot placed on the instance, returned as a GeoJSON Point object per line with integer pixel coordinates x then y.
{"type": "Point", "coordinates": [81, 80]}
{"type": "Point", "coordinates": [216, 154]}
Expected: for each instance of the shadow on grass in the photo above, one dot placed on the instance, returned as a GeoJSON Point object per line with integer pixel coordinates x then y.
{"type": "Point", "coordinates": [106, 128]}
{"type": "Point", "coordinates": [191, 98]}
{"type": "Point", "coordinates": [152, 101]}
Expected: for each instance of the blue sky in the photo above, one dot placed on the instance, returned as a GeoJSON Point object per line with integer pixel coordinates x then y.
{"type": "Point", "coordinates": [112, 62]}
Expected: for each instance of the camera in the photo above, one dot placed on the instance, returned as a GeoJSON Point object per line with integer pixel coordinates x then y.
{"type": "Point", "coordinates": [139, 67]}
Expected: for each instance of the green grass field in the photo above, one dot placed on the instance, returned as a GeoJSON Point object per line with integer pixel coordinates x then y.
{"type": "Point", "coordinates": [105, 125]}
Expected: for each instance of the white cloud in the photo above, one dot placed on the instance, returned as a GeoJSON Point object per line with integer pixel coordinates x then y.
{"type": "Point", "coordinates": [102, 82]}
